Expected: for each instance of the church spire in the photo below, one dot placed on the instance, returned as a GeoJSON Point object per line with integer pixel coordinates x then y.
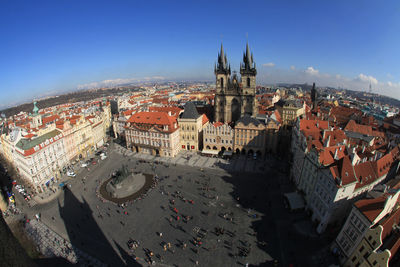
{"type": "Point", "coordinates": [248, 64]}
{"type": "Point", "coordinates": [222, 65]}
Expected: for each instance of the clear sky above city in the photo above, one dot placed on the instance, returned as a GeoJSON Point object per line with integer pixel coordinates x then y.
{"type": "Point", "coordinates": [56, 46]}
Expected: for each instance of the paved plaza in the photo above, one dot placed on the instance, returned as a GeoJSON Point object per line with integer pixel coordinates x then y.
{"type": "Point", "coordinates": [202, 211]}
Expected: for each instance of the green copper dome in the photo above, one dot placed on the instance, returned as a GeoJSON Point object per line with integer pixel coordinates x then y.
{"type": "Point", "coordinates": [35, 108]}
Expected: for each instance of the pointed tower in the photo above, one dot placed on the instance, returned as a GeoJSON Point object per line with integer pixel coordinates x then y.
{"type": "Point", "coordinates": [314, 96]}
{"type": "Point", "coordinates": [248, 74]}
{"type": "Point", "coordinates": [222, 72]}
{"type": "Point", "coordinates": [222, 75]}
{"type": "Point", "coordinates": [36, 117]}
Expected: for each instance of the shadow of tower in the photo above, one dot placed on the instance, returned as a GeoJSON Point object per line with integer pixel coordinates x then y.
{"type": "Point", "coordinates": [85, 234]}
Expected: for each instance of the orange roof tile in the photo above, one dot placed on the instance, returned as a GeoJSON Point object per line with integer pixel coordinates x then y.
{"type": "Point", "coordinates": [205, 119]}
{"type": "Point", "coordinates": [371, 208]}
{"type": "Point", "coordinates": [217, 124]}
{"type": "Point", "coordinates": [153, 119]}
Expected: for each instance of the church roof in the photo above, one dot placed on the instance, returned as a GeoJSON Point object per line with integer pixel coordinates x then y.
{"type": "Point", "coordinates": [246, 120]}
{"type": "Point", "coordinates": [190, 111]}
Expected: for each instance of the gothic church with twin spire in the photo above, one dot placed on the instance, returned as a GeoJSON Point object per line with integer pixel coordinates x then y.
{"type": "Point", "coordinates": [235, 98]}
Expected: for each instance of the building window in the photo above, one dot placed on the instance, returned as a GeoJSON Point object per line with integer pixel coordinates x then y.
{"type": "Point", "coordinates": [361, 249]}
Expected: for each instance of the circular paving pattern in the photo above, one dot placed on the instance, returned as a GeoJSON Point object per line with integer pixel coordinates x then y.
{"type": "Point", "coordinates": [129, 189]}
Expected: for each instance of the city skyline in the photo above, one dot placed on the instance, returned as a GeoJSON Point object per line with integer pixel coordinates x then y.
{"type": "Point", "coordinates": [59, 47]}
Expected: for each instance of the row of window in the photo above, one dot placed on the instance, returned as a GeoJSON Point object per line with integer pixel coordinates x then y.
{"type": "Point", "coordinates": [149, 142]}
{"type": "Point", "coordinates": [187, 137]}
{"type": "Point", "coordinates": [217, 131]}
{"type": "Point", "coordinates": [143, 133]}
{"type": "Point", "coordinates": [357, 223]}
{"type": "Point", "coordinates": [187, 128]}
{"type": "Point", "coordinates": [210, 140]}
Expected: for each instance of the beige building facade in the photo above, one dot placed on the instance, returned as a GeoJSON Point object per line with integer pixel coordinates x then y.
{"type": "Point", "coordinates": [191, 125]}
{"type": "Point", "coordinates": [154, 133]}
{"type": "Point", "coordinates": [218, 136]}
{"type": "Point", "coordinates": [250, 135]}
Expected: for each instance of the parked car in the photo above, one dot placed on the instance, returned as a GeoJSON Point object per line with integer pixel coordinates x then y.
{"type": "Point", "coordinates": [84, 164]}
{"type": "Point", "coordinates": [94, 162]}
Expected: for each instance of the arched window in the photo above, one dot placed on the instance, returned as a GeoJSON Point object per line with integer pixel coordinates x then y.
{"type": "Point", "coordinates": [222, 82]}
{"type": "Point", "coordinates": [248, 82]}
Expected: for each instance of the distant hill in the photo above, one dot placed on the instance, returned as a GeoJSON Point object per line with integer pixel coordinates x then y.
{"type": "Point", "coordinates": [357, 94]}
{"type": "Point", "coordinates": [84, 95]}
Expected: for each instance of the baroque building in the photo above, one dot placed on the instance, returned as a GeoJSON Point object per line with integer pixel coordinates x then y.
{"type": "Point", "coordinates": [191, 125]}
{"type": "Point", "coordinates": [235, 98]}
{"type": "Point", "coordinates": [154, 133]}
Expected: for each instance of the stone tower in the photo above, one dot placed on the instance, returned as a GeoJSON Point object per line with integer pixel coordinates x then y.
{"type": "Point", "coordinates": [314, 96]}
{"type": "Point", "coordinates": [248, 74]}
{"type": "Point", "coordinates": [235, 98]}
{"type": "Point", "coordinates": [36, 117]}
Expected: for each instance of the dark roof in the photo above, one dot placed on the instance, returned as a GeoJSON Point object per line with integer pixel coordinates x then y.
{"type": "Point", "coordinates": [190, 111]}
{"type": "Point", "coordinates": [26, 144]}
{"type": "Point", "coordinates": [287, 102]}
{"type": "Point", "coordinates": [246, 120]}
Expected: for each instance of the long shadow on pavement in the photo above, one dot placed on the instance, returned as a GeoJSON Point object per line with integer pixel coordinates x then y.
{"type": "Point", "coordinates": [85, 234]}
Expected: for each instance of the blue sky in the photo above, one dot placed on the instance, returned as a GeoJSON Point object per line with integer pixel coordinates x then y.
{"type": "Point", "coordinates": [56, 46]}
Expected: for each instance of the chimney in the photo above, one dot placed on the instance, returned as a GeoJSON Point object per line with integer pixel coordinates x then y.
{"type": "Point", "coordinates": [169, 113]}
{"type": "Point", "coordinates": [327, 141]}
{"type": "Point", "coordinates": [336, 154]}
{"type": "Point", "coordinates": [363, 149]}
{"type": "Point", "coordinates": [354, 159]}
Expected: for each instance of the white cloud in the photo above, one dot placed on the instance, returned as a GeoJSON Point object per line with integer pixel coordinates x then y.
{"type": "Point", "coordinates": [269, 64]}
{"type": "Point", "coordinates": [292, 67]}
{"type": "Point", "coordinates": [312, 71]}
{"type": "Point", "coordinates": [366, 78]}
{"type": "Point", "coordinates": [360, 82]}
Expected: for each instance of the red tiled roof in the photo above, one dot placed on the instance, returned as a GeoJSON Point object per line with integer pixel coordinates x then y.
{"type": "Point", "coordinates": [343, 170]}
{"type": "Point", "coordinates": [313, 125]}
{"type": "Point", "coordinates": [365, 173]}
{"type": "Point", "coordinates": [217, 124]}
{"type": "Point", "coordinates": [175, 111]}
{"type": "Point", "coordinates": [153, 119]}
{"type": "Point", "coordinates": [327, 154]}
{"type": "Point", "coordinates": [371, 208]}
{"type": "Point", "coordinates": [205, 119]}
{"type": "Point", "coordinates": [128, 112]}
{"type": "Point", "coordinates": [383, 164]}
{"type": "Point", "coordinates": [50, 119]}
{"type": "Point", "coordinates": [388, 222]}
